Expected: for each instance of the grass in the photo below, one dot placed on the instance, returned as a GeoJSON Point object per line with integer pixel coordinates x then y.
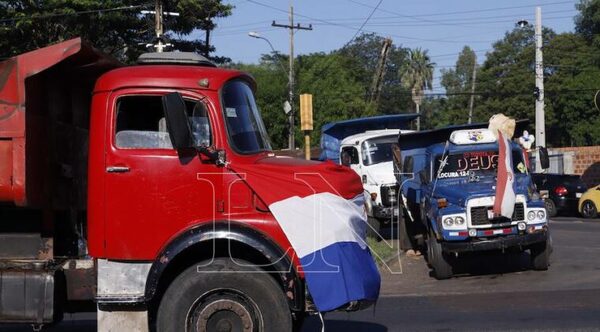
{"type": "Point", "coordinates": [383, 250]}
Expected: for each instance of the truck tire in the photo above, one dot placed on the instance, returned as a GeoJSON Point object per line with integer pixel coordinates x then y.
{"type": "Point", "coordinates": [403, 235]}
{"type": "Point", "coordinates": [236, 298]}
{"type": "Point", "coordinates": [550, 207]}
{"type": "Point", "coordinates": [540, 256]}
{"type": "Point", "coordinates": [373, 228]}
{"type": "Point", "coordinates": [439, 261]}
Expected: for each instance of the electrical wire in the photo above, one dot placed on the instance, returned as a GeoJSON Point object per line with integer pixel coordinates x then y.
{"type": "Point", "coordinates": [365, 22]}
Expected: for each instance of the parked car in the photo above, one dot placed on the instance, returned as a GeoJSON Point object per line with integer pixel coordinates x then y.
{"type": "Point", "coordinates": [589, 202]}
{"type": "Point", "coordinates": [561, 192]}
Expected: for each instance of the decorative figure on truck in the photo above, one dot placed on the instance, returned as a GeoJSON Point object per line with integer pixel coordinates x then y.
{"type": "Point", "coordinates": [503, 128]}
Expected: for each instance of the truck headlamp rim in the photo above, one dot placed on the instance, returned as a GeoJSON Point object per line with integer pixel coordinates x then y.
{"type": "Point", "coordinates": [541, 214]}
{"type": "Point", "coordinates": [459, 221]}
{"type": "Point", "coordinates": [530, 215]}
{"type": "Point", "coordinates": [448, 222]}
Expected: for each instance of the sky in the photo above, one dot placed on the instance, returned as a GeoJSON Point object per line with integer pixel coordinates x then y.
{"type": "Point", "coordinates": [443, 27]}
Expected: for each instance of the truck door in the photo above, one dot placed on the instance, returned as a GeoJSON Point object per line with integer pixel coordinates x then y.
{"type": "Point", "coordinates": [153, 192]}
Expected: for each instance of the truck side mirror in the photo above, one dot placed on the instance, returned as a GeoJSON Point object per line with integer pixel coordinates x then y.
{"type": "Point", "coordinates": [544, 158]}
{"type": "Point", "coordinates": [178, 124]}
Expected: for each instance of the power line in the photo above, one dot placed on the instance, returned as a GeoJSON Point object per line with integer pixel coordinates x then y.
{"type": "Point", "coordinates": [365, 22]}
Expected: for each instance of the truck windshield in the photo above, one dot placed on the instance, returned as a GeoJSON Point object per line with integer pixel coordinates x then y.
{"type": "Point", "coordinates": [482, 163]}
{"type": "Point", "coordinates": [378, 150]}
{"type": "Point", "coordinates": [247, 133]}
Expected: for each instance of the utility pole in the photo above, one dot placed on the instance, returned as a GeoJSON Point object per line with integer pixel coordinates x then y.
{"type": "Point", "coordinates": [380, 72]}
{"type": "Point", "coordinates": [158, 25]}
{"type": "Point", "coordinates": [291, 27]}
{"type": "Point", "coordinates": [540, 126]}
{"type": "Point", "coordinates": [474, 78]}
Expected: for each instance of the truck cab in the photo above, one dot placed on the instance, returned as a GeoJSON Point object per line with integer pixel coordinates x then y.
{"type": "Point", "coordinates": [364, 145]}
{"type": "Point", "coordinates": [449, 186]}
{"type": "Point", "coordinates": [145, 193]}
{"type": "Point", "coordinates": [369, 154]}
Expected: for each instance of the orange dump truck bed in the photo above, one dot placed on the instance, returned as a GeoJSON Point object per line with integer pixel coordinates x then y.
{"type": "Point", "coordinates": [44, 118]}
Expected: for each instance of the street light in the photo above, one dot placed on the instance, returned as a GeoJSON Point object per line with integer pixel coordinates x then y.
{"type": "Point", "coordinates": [288, 104]}
{"type": "Point", "coordinates": [256, 35]}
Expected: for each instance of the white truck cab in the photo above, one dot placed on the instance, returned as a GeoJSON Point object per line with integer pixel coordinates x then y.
{"type": "Point", "coordinates": [369, 154]}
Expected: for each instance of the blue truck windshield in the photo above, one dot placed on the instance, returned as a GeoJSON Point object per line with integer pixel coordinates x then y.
{"type": "Point", "coordinates": [247, 133]}
{"type": "Point", "coordinates": [480, 162]}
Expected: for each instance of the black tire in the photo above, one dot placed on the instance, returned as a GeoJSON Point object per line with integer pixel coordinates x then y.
{"type": "Point", "coordinates": [439, 261]}
{"type": "Point", "coordinates": [540, 256]}
{"type": "Point", "coordinates": [550, 208]}
{"type": "Point", "coordinates": [373, 228]}
{"type": "Point", "coordinates": [403, 235]}
{"type": "Point", "coordinates": [240, 296]}
{"type": "Point", "coordinates": [589, 209]}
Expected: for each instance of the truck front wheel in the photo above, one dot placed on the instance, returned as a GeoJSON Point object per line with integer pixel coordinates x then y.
{"type": "Point", "coordinates": [224, 295]}
{"type": "Point", "coordinates": [540, 256]}
{"type": "Point", "coordinates": [437, 259]}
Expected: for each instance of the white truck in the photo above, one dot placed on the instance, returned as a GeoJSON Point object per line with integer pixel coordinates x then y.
{"type": "Point", "coordinates": [365, 145]}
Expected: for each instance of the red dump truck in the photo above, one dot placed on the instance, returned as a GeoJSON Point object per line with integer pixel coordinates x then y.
{"type": "Point", "coordinates": [103, 208]}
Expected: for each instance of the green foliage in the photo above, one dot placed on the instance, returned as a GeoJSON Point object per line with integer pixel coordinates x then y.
{"type": "Point", "coordinates": [587, 22]}
{"type": "Point", "coordinates": [365, 51]}
{"type": "Point", "coordinates": [122, 32]}
{"type": "Point", "coordinates": [417, 73]}
{"type": "Point", "coordinates": [458, 81]}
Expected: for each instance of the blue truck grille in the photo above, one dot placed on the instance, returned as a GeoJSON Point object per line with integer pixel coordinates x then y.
{"type": "Point", "coordinates": [479, 215]}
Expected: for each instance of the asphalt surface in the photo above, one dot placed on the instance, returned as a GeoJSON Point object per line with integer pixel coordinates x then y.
{"type": "Point", "coordinates": [496, 292]}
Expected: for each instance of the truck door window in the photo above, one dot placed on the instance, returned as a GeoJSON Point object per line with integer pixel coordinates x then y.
{"type": "Point", "coordinates": [349, 156]}
{"type": "Point", "coordinates": [141, 123]}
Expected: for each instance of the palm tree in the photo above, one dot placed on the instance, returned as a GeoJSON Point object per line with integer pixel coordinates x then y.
{"type": "Point", "coordinates": [417, 76]}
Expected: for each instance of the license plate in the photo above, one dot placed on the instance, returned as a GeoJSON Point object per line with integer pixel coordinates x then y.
{"type": "Point", "coordinates": [578, 195]}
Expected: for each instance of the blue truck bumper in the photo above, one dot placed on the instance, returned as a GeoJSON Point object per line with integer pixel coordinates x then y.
{"type": "Point", "coordinates": [500, 242]}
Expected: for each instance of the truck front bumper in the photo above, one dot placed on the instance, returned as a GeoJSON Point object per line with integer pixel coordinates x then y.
{"type": "Point", "coordinates": [385, 212]}
{"type": "Point", "coordinates": [500, 242]}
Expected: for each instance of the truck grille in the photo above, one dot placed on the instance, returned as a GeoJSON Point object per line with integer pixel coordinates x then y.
{"type": "Point", "coordinates": [389, 195]}
{"type": "Point", "coordinates": [479, 215]}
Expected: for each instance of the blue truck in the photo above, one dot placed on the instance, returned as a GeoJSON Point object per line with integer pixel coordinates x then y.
{"type": "Point", "coordinates": [447, 181]}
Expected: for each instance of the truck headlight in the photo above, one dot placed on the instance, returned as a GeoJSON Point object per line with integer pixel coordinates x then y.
{"type": "Point", "coordinates": [448, 222]}
{"type": "Point", "coordinates": [459, 221]}
{"type": "Point", "coordinates": [541, 214]}
{"type": "Point", "coordinates": [530, 215]}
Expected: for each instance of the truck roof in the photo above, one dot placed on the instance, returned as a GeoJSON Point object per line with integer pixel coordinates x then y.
{"type": "Point", "coordinates": [181, 76]}
{"type": "Point", "coordinates": [372, 134]}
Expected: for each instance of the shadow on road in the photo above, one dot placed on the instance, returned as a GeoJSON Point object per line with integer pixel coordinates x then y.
{"type": "Point", "coordinates": [489, 263]}
{"type": "Point", "coordinates": [314, 324]}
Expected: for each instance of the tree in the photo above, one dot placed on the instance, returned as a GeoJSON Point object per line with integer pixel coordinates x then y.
{"type": "Point", "coordinates": [457, 82]}
{"type": "Point", "coordinates": [363, 54]}
{"type": "Point", "coordinates": [417, 76]}
{"type": "Point", "coordinates": [587, 22]}
{"type": "Point", "coordinates": [114, 26]}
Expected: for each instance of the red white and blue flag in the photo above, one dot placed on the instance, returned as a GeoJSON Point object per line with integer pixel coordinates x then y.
{"type": "Point", "coordinates": [320, 208]}
{"type": "Point", "coordinates": [504, 202]}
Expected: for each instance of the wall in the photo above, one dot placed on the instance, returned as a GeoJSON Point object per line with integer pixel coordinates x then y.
{"type": "Point", "coordinates": [585, 162]}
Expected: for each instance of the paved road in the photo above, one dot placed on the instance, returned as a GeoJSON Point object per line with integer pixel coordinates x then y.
{"type": "Point", "coordinates": [492, 293]}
